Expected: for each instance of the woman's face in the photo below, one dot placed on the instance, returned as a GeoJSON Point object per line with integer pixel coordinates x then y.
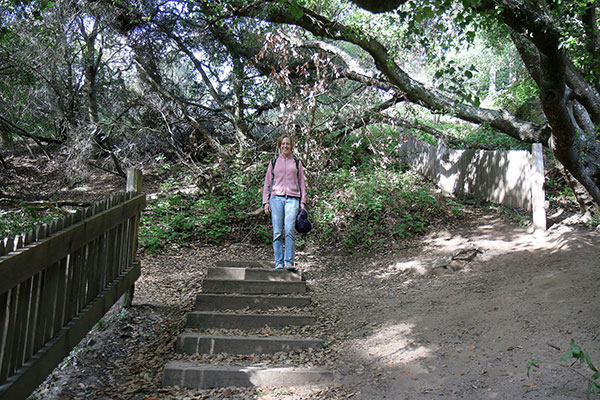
{"type": "Point", "coordinates": [286, 146]}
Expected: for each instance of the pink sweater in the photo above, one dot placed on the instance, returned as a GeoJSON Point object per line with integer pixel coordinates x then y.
{"type": "Point", "coordinates": [287, 180]}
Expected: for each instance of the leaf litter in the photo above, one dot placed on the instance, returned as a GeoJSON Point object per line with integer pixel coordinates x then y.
{"type": "Point", "coordinates": [386, 330]}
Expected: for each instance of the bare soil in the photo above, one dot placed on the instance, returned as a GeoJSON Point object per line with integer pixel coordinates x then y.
{"type": "Point", "coordinates": [395, 327]}
{"type": "Point", "coordinates": [399, 323]}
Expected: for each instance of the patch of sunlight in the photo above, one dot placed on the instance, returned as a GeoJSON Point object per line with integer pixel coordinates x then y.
{"type": "Point", "coordinates": [418, 267]}
{"type": "Point", "coordinates": [82, 189]}
{"type": "Point", "coordinates": [494, 235]}
{"type": "Point", "coordinates": [412, 268]}
{"type": "Point", "coordinates": [392, 345]}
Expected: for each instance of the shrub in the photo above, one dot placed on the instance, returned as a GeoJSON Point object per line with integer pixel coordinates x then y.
{"type": "Point", "coordinates": [487, 135]}
{"type": "Point", "coordinates": [363, 209]}
{"type": "Point", "coordinates": [16, 222]}
{"type": "Point", "coordinates": [359, 209]}
{"type": "Point", "coordinates": [174, 218]}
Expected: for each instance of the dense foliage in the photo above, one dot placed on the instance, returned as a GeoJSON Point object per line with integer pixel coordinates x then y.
{"type": "Point", "coordinates": [210, 85]}
{"type": "Point", "coordinates": [25, 218]}
{"type": "Point", "coordinates": [356, 209]}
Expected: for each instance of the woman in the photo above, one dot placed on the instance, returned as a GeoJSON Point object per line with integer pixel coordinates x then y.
{"type": "Point", "coordinates": [284, 192]}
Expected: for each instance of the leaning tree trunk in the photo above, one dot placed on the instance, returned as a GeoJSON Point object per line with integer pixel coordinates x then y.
{"type": "Point", "coordinates": [92, 61]}
{"type": "Point", "coordinates": [553, 79]}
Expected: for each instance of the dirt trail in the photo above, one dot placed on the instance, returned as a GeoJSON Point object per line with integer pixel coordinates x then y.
{"type": "Point", "coordinates": [421, 334]}
{"type": "Point", "coordinates": [395, 327]}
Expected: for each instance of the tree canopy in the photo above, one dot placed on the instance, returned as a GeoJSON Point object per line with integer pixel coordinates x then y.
{"type": "Point", "coordinates": [220, 79]}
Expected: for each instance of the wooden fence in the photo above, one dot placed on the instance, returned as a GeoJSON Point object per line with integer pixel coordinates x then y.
{"type": "Point", "coordinates": [57, 281]}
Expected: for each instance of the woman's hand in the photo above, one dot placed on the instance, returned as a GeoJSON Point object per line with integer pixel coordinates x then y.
{"type": "Point", "coordinates": [303, 206]}
{"type": "Point", "coordinates": [267, 208]}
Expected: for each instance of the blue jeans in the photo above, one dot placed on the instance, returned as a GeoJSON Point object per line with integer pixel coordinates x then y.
{"type": "Point", "coordinates": [283, 214]}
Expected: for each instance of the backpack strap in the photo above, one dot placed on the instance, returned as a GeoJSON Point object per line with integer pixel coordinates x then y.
{"type": "Point", "coordinates": [298, 177]}
{"type": "Point", "coordinates": [274, 161]}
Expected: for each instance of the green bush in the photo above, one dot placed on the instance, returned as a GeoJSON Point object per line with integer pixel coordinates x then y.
{"type": "Point", "coordinates": [487, 135]}
{"type": "Point", "coordinates": [359, 209]}
{"type": "Point", "coordinates": [174, 218]}
{"type": "Point", "coordinates": [177, 218]}
{"type": "Point", "coordinates": [16, 222]}
{"type": "Point", "coordinates": [370, 148]}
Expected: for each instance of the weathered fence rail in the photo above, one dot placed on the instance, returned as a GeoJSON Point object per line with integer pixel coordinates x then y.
{"type": "Point", "coordinates": [57, 281]}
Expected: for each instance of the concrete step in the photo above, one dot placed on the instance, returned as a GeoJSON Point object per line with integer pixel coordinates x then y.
{"type": "Point", "coordinates": [245, 264]}
{"type": "Point", "coordinates": [205, 319]}
{"type": "Point", "coordinates": [223, 301]}
{"type": "Point", "coordinates": [252, 287]}
{"type": "Point", "coordinates": [187, 374]}
{"type": "Point", "coordinates": [252, 274]}
{"type": "Point", "coordinates": [197, 343]}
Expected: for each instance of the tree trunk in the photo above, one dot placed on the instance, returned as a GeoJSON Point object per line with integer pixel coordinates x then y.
{"type": "Point", "coordinates": [210, 141]}
{"type": "Point", "coordinates": [241, 130]}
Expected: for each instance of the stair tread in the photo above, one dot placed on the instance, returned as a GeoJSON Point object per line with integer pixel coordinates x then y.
{"type": "Point", "coordinates": [240, 281]}
{"type": "Point", "coordinates": [203, 376]}
{"type": "Point", "coordinates": [253, 286]}
{"type": "Point", "coordinates": [195, 364]}
{"type": "Point", "coordinates": [244, 264]}
{"type": "Point", "coordinates": [268, 270]}
{"type": "Point", "coordinates": [249, 337]}
{"type": "Point", "coordinates": [236, 301]}
{"type": "Point", "coordinates": [252, 314]}
{"type": "Point", "coordinates": [259, 295]}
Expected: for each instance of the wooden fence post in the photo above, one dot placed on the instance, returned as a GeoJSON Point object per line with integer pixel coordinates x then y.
{"type": "Point", "coordinates": [538, 197]}
{"type": "Point", "coordinates": [134, 184]}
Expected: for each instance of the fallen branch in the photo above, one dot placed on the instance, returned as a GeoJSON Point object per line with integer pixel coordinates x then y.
{"type": "Point", "coordinates": [46, 204]}
{"type": "Point", "coordinates": [106, 148]}
{"type": "Point", "coordinates": [23, 133]}
{"type": "Point", "coordinates": [103, 168]}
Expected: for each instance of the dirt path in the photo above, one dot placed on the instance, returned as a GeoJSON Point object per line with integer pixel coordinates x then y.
{"type": "Point", "coordinates": [469, 334]}
{"type": "Point", "coordinates": [395, 327]}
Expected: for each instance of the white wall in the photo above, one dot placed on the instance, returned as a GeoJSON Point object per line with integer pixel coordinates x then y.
{"type": "Point", "coordinates": [502, 177]}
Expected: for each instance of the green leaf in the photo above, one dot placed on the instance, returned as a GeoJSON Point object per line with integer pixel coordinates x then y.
{"type": "Point", "coordinates": [296, 11]}
{"type": "Point", "coordinates": [566, 356]}
{"type": "Point", "coordinates": [575, 349]}
{"type": "Point", "coordinates": [428, 11]}
{"type": "Point", "coordinates": [588, 360]}
{"type": "Point", "coordinates": [532, 363]}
